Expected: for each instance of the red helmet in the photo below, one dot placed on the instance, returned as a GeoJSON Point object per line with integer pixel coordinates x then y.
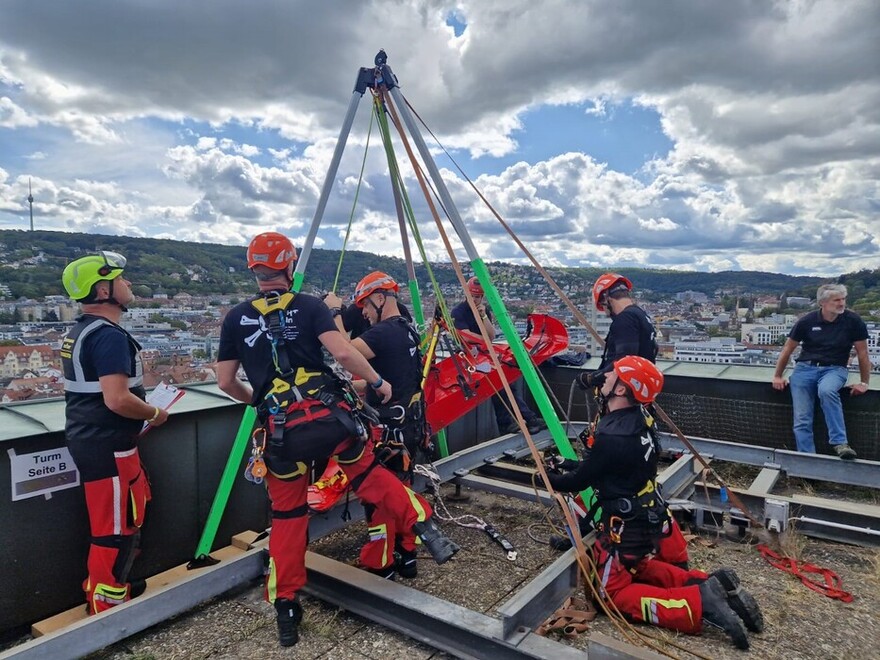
{"type": "Point", "coordinates": [641, 376]}
{"type": "Point", "coordinates": [475, 288]}
{"type": "Point", "coordinates": [272, 250]}
{"type": "Point", "coordinates": [606, 284]}
{"type": "Point", "coordinates": [375, 281]}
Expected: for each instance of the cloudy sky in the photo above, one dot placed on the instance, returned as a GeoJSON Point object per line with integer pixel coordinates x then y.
{"type": "Point", "coordinates": [742, 134]}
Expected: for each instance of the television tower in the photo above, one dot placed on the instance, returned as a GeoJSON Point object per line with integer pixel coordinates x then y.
{"type": "Point", "coordinates": [31, 203]}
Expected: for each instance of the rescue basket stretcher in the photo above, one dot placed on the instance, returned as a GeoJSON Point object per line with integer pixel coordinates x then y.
{"type": "Point", "coordinates": [458, 383]}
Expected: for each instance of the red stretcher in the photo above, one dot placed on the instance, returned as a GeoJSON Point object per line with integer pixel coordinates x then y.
{"type": "Point", "coordinates": [458, 383]}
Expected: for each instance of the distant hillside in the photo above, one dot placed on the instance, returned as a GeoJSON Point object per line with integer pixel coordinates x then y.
{"type": "Point", "coordinates": [31, 265]}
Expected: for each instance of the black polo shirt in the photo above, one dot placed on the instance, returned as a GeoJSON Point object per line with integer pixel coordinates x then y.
{"type": "Point", "coordinates": [463, 317]}
{"type": "Point", "coordinates": [631, 333]}
{"type": "Point", "coordinates": [828, 343]}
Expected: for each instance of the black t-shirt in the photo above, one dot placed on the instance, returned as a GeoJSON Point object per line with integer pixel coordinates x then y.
{"type": "Point", "coordinates": [828, 342]}
{"type": "Point", "coordinates": [244, 336]}
{"type": "Point", "coordinates": [355, 324]}
{"type": "Point", "coordinates": [631, 333]}
{"type": "Point", "coordinates": [395, 346]}
{"type": "Point", "coordinates": [463, 317]}
{"type": "Point", "coordinates": [621, 461]}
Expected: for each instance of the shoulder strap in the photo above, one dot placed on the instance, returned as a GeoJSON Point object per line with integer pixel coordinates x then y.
{"type": "Point", "coordinates": [272, 307]}
{"type": "Point", "coordinates": [272, 303]}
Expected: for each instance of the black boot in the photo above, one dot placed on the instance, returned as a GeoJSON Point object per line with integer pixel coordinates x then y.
{"type": "Point", "coordinates": [440, 546]}
{"type": "Point", "coordinates": [740, 600]}
{"type": "Point", "coordinates": [559, 542]}
{"type": "Point", "coordinates": [289, 616]}
{"type": "Point", "coordinates": [718, 613]}
{"type": "Point", "coordinates": [406, 563]}
{"type": "Point", "coordinates": [386, 572]}
{"type": "Point", "coordinates": [136, 588]}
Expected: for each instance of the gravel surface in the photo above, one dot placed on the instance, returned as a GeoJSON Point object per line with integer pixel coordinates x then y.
{"type": "Point", "coordinates": [799, 622]}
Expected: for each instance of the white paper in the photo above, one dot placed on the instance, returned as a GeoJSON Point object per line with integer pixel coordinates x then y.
{"type": "Point", "coordinates": [163, 397]}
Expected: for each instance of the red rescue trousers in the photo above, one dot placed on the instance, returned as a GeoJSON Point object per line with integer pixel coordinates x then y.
{"type": "Point", "coordinates": [651, 591]}
{"type": "Point", "coordinates": [384, 534]}
{"type": "Point", "coordinates": [116, 507]}
{"type": "Point", "coordinates": [673, 548]}
{"type": "Point", "coordinates": [397, 507]}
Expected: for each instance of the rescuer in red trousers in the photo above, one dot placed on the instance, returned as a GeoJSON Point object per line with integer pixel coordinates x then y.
{"type": "Point", "coordinates": [105, 411]}
{"type": "Point", "coordinates": [307, 414]}
{"type": "Point", "coordinates": [621, 465]}
{"type": "Point", "coordinates": [391, 346]}
{"type": "Point", "coordinates": [632, 332]}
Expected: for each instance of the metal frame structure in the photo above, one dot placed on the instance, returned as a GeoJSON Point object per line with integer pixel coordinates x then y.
{"type": "Point", "coordinates": [458, 630]}
{"type": "Point", "coordinates": [420, 616]}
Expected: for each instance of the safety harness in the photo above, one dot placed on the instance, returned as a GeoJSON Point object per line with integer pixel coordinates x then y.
{"type": "Point", "coordinates": [646, 505]}
{"type": "Point", "coordinates": [405, 430]}
{"type": "Point", "coordinates": [298, 395]}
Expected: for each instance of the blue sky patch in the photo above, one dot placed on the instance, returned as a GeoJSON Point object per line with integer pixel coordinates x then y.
{"type": "Point", "coordinates": [457, 22]}
{"type": "Point", "coordinates": [625, 137]}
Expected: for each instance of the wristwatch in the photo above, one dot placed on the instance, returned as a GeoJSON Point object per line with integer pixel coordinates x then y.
{"type": "Point", "coordinates": [336, 311]}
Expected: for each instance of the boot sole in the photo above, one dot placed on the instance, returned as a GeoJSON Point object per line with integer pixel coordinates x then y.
{"type": "Point", "coordinates": [723, 615]}
{"type": "Point", "coordinates": [451, 549]}
{"type": "Point", "coordinates": [741, 601]}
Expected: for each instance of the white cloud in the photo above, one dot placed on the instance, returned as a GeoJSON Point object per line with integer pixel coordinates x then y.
{"type": "Point", "coordinates": [773, 109]}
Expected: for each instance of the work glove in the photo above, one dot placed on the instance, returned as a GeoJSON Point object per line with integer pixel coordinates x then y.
{"type": "Point", "coordinates": [558, 464]}
{"type": "Point", "coordinates": [587, 380]}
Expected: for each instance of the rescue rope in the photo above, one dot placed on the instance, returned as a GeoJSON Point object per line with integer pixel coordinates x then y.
{"type": "Point", "coordinates": [580, 317]}
{"type": "Point", "coordinates": [465, 520]}
{"type": "Point", "coordinates": [353, 206]}
{"type": "Point", "coordinates": [580, 553]}
{"type": "Point", "coordinates": [831, 586]}
{"type": "Point", "coordinates": [397, 181]}
{"type": "Point", "coordinates": [589, 572]}
{"type": "Point", "coordinates": [587, 567]}
{"type": "Point", "coordinates": [547, 277]}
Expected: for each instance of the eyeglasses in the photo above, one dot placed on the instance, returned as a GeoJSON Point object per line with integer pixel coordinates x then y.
{"type": "Point", "coordinates": [112, 261]}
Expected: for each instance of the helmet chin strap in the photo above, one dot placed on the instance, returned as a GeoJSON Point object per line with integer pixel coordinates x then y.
{"type": "Point", "coordinates": [604, 399]}
{"type": "Point", "coordinates": [378, 309]}
{"type": "Point", "coordinates": [111, 300]}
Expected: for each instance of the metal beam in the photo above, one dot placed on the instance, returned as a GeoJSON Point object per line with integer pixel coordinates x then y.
{"type": "Point", "coordinates": [532, 604]}
{"type": "Point", "coordinates": [505, 488]}
{"type": "Point", "coordinates": [428, 619]}
{"type": "Point", "coordinates": [793, 463]}
{"type": "Point", "coordinates": [679, 476]}
{"type": "Point", "coordinates": [833, 520]}
{"type": "Point", "coordinates": [765, 481]}
{"type": "Point", "coordinates": [473, 457]}
{"type": "Point", "coordinates": [96, 632]}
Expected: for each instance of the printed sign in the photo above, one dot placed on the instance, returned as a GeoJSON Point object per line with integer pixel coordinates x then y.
{"type": "Point", "coordinates": [42, 473]}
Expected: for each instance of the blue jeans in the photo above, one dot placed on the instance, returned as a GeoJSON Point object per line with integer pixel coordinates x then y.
{"type": "Point", "coordinates": [806, 382]}
{"type": "Point", "coordinates": [500, 403]}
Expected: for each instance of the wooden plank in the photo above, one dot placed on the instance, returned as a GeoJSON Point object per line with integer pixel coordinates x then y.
{"type": "Point", "coordinates": [163, 579]}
